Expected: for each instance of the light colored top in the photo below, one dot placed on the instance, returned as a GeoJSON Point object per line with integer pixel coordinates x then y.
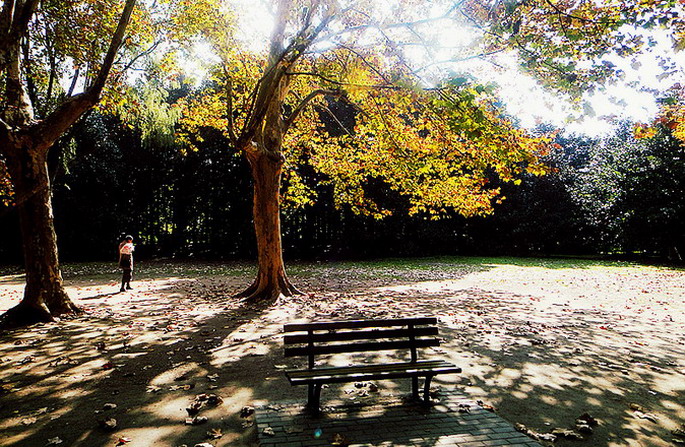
{"type": "Point", "coordinates": [127, 249]}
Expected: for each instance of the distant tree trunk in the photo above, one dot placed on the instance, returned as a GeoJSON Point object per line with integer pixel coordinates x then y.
{"type": "Point", "coordinates": [272, 281]}
{"type": "Point", "coordinates": [44, 295]}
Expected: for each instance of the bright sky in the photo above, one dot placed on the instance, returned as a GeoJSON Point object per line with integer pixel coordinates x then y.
{"type": "Point", "coordinates": [626, 100]}
{"type": "Point", "coordinates": [523, 97]}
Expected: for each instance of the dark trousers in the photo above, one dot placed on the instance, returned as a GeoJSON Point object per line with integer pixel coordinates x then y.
{"type": "Point", "coordinates": [126, 278]}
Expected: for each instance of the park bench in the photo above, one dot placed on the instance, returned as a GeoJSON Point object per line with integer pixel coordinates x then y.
{"type": "Point", "coordinates": [363, 336]}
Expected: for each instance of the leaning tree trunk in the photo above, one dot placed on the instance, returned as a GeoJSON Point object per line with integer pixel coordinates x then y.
{"type": "Point", "coordinates": [271, 282]}
{"type": "Point", "coordinates": [44, 295]}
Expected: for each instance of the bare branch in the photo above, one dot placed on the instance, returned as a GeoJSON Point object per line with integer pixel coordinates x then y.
{"type": "Point", "coordinates": [342, 126]}
{"type": "Point", "coordinates": [367, 63]}
{"type": "Point", "coordinates": [462, 59]}
{"type": "Point", "coordinates": [300, 107]}
{"type": "Point", "coordinates": [74, 80]}
{"type": "Point", "coordinates": [152, 48]}
{"type": "Point", "coordinates": [570, 16]}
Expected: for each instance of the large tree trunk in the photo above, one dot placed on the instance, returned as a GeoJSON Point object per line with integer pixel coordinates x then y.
{"type": "Point", "coordinates": [44, 295]}
{"type": "Point", "coordinates": [271, 282]}
{"type": "Point", "coordinates": [24, 142]}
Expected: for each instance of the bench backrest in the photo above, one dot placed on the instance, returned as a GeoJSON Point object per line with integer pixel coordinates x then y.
{"type": "Point", "coordinates": [311, 339]}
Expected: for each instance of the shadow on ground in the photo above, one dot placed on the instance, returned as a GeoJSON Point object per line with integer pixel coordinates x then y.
{"type": "Point", "coordinates": [540, 357]}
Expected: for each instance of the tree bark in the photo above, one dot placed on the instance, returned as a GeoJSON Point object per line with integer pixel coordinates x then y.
{"type": "Point", "coordinates": [44, 295]}
{"type": "Point", "coordinates": [24, 143]}
{"type": "Point", "coordinates": [271, 282]}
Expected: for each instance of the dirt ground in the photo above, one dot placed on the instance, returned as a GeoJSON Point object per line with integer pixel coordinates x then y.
{"type": "Point", "coordinates": [543, 341]}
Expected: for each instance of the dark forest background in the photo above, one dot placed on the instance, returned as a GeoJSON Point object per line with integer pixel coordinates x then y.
{"type": "Point", "coordinates": [611, 196]}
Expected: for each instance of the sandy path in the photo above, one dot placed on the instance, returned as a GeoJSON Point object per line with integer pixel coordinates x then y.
{"type": "Point", "coordinates": [543, 341]}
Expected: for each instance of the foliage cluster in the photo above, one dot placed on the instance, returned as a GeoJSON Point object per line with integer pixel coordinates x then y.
{"type": "Point", "coordinates": [616, 195]}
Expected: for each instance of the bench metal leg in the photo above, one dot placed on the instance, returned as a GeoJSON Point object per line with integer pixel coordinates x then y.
{"type": "Point", "coordinates": [426, 389]}
{"type": "Point", "coordinates": [314, 398]}
{"type": "Point", "coordinates": [415, 387]}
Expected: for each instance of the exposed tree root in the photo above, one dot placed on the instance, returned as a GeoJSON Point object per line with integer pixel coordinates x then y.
{"type": "Point", "coordinates": [64, 306]}
{"type": "Point", "coordinates": [268, 291]}
{"type": "Point", "coordinates": [23, 315]}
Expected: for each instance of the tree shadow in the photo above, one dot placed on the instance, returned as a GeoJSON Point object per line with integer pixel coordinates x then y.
{"type": "Point", "coordinates": [155, 350]}
{"type": "Point", "coordinates": [79, 365]}
{"type": "Point", "coordinates": [101, 295]}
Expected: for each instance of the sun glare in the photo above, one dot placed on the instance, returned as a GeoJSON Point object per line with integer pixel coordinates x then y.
{"type": "Point", "coordinates": [446, 47]}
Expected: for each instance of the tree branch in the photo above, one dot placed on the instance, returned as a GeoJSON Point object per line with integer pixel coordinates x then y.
{"type": "Point", "coordinates": [74, 80]}
{"type": "Point", "coordinates": [117, 39]}
{"type": "Point", "coordinates": [152, 48]}
{"type": "Point", "coordinates": [342, 84]}
{"type": "Point", "coordinates": [14, 22]}
{"type": "Point", "coordinates": [388, 26]}
{"type": "Point", "coordinates": [229, 106]}
{"type": "Point", "coordinates": [56, 123]}
{"type": "Point", "coordinates": [296, 112]}
{"type": "Point", "coordinates": [461, 59]}
{"type": "Point", "coordinates": [269, 84]}
{"type": "Point", "coordinates": [570, 16]}
{"type": "Point", "coordinates": [520, 46]}
{"type": "Point", "coordinates": [342, 126]}
{"type": "Point", "coordinates": [22, 17]}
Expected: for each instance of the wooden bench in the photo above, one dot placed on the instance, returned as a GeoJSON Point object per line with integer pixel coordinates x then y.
{"type": "Point", "coordinates": [313, 339]}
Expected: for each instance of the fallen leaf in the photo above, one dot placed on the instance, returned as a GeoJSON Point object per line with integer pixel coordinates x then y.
{"type": "Point", "coordinates": [648, 416]}
{"type": "Point", "coordinates": [568, 434]}
{"type": "Point", "coordinates": [109, 424]}
{"type": "Point", "coordinates": [214, 433]}
{"type": "Point", "coordinates": [585, 418]}
{"type": "Point", "coordinates": [339, 440]}
{"type": "Point", "coordinates": [197, 420]}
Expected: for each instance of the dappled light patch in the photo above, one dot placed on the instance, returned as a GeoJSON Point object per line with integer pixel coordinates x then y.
{"type": "Point", "coordinates": [542, 342]}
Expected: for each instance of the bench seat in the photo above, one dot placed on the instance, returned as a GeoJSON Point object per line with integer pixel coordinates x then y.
{"type": "Point", "coordinates": [363, 337]}
{"type": "Point", "coordinates": [345, 374]}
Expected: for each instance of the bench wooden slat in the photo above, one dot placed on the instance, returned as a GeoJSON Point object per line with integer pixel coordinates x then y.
{"type": "Point", "coordinates": [355, 375]}
{"type": "Point", "coordinates": [361, 347]}
{"type": "Point", "coordinates": [425, 364]}
{"type": "Point", "coordinates": [352, 324]}
{"type": "Point", "coordinates": [359, 335]}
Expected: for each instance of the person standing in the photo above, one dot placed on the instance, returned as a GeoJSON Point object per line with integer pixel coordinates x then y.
{"type": "Point", "coordinates": [126, 262]}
